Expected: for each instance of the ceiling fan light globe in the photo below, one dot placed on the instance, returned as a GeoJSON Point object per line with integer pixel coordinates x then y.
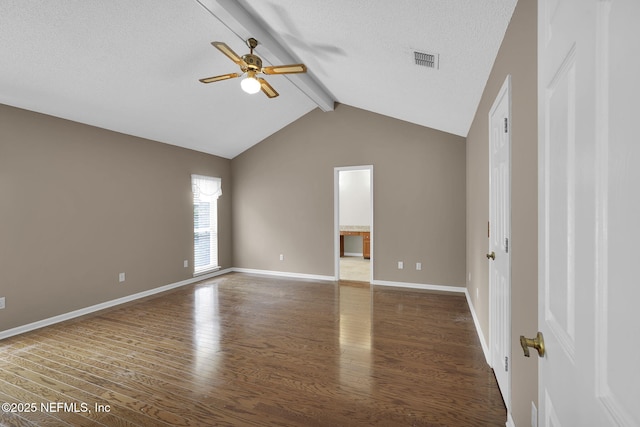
{"type": "Point", "coordinates": [250, 85]}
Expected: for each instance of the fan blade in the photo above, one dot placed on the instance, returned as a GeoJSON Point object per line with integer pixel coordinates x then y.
{"type": "Point", "coordinates": [267, 89]}
{"type": "Point", "coordinates": [229, 53]}
{"type": "Point", "coordinates": [285, 69]}
{"type": "Point", "coordinates": [219, 78]}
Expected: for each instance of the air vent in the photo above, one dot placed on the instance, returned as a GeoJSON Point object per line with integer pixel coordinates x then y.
{"type": "Point", "coordinates": [429, 60]}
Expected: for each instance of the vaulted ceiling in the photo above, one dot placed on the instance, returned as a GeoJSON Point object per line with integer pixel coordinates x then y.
{"type": "Point", "coordinates": [133, 66]}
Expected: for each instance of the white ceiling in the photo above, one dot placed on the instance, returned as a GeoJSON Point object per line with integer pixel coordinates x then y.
{"type": "Point", "coordinates": [133, 66]}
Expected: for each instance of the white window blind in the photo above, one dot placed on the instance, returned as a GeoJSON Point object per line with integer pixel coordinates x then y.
{"type": "Point", "coordinates": [206, 191]}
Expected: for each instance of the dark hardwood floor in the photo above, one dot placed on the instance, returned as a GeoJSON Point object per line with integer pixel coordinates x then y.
{"type": "Point", "coordinates": [242, 350]}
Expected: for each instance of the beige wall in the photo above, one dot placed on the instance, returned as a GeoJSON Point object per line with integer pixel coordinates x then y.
{"type": "Point", "coordinates": [283, 196]}
{"type": "Point", "coordinates": [517, 56]}
{"type": "Point", "coordinates": [78, 205]}
{"type": "Point", "coordinates": [81, 204]}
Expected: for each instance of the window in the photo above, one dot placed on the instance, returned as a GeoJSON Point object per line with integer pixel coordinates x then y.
{"type": "Point", "coordinates": [206, 191]}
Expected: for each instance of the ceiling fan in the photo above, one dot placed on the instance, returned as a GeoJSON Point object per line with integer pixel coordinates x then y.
{"type": "Point", "coordinates": [251, 65]}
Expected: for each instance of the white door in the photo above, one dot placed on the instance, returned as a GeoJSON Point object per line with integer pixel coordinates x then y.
{"type": "Point", "coordinates": [589, 212]}
{"type": "Point", "coordinates": [499, 234]}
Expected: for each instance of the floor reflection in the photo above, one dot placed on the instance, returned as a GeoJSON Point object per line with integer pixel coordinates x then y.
{"type": "Point", "coordinates": [206, 332]}
{"type": "Point", "coordinates": [355, 338]}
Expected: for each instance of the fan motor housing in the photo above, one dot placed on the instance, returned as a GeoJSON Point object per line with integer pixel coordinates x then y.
{"type": "Point", "coordinates": [253, 62]}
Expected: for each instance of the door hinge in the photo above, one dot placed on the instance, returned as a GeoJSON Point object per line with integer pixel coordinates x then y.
{"type": "Point", "coordinates": [506, 125]}
{"type": "Point", "coordinates": [506, 363]}
{"type": "Point", "coordinates": [506, 244]}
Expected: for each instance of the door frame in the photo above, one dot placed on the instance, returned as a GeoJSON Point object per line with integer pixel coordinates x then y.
{"type": "Point", "coordinates": [336, 217]}
{"type": "Point", "coordinates": [505, 90]}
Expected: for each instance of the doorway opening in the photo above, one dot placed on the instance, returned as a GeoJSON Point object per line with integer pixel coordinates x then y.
{"type": "Point", "coordinates": [353, 223]}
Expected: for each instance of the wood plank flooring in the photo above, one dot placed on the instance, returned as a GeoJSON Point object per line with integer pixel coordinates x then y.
{"type": "Point", "coordinates": [242, 350]}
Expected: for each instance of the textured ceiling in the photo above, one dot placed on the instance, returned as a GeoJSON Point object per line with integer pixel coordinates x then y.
{"type": "Point", "coordinates": [133, 66]}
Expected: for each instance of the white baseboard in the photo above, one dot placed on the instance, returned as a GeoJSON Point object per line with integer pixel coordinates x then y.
{"type": "Point", "coordinates": [510, 422]}
{"type": "Point", "coordinates": [476, 322]}
{"type": "Point", "coordinates": [419, 286]}
{"type": "Point", "coordinates": [353, 254]}
{"type": "Point", "coordinates": [284, 274]}
{"type": "Point", "coordinates": [107, 304]}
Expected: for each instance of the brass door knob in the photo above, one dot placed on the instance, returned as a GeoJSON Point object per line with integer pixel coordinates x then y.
{"type": "Point", "coordinates": [537, 343]}
{"type": "Point", "coordinates": [492, 255]}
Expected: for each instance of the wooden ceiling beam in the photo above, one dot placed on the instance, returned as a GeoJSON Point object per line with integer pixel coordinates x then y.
{"type": "Point", "coordinates": [240, 22]}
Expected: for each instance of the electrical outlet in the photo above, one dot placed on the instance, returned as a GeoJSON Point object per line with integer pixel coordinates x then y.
{"type": "Point", "coordinates": [281, 257]}
{"type": "Point", "coordinates": [186, 263]}
{"type": "Point", "coordinates": [418, 266]}
{"type": "Point", "coordinates": [400, 265]}
{"type": "Point", "coordinates": [121, 277]}
{"type": "Point", "coordinates": [2, 304]}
